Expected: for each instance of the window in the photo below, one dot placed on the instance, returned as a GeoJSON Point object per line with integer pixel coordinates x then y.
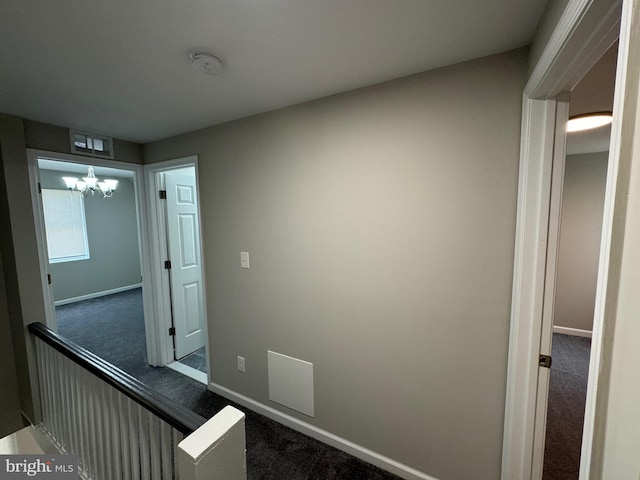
{"type": "Point", "coordinates": [66, 226]}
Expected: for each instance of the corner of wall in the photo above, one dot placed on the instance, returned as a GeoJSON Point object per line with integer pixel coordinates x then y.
{"type": "Point", "coordinates": [15, 220]}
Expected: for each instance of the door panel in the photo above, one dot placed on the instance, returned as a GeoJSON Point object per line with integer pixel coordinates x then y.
{"type": "Point", "coordinates": [192, 308]}
{"type": "Point", "coordinates": [183, 234]}
{"type": "Point", "coordinates": [188, 241]}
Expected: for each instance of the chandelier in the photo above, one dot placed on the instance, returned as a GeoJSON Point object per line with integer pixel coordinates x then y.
{"type": "Point", "coordinates": [90, 185]}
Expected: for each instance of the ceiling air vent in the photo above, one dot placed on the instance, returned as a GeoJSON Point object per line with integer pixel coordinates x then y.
{"type": "Point", "coordinates": [85, 143]}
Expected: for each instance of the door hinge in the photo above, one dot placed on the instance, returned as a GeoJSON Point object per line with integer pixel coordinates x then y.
{"type": "Point", "coordinates": [172, 331]}
{"type": "Point", "coordinates": [167, 264]}
{"type": "Point", "coordinates": [163, 194]}
{"type": "Point", "coordinates": [39, 187]}
{"type": "Point", "coordinates": [48, 278]}
{"type": "Point", "coordinates": [545, 361]}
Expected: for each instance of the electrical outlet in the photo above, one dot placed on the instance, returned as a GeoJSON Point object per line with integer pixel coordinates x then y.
{"type": "Point", "coordinates": [241, 363]}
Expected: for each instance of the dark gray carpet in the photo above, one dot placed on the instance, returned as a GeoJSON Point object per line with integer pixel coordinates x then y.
{"type": "Point", "coordinates": [197, 360]}
{"type": "Point", "coordinates": [565, 413]}
{"type": "Point", "coordinates": [113, 328]}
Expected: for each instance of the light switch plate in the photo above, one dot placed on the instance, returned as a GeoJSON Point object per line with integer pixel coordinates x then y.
{"type": "Point", "coordinates": [244, 259]}
{"type": "Point", "coordinates": [241, 364]}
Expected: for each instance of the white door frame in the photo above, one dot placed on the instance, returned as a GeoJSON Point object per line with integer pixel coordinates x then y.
{"type": "Point", "coordinates": [586, 30]}
{"type": "Point", "coordinates": [41, 239]}
{"type": "Point", "coordinates": [163, 343]}
{"type": "Point", "coordinates": [43, 259]}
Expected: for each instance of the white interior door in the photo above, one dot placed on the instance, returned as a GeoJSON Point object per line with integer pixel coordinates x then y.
{"type": "Point", "coordinates": [553, 234]}
{"type": "Point", "coordinates": [183, 235]}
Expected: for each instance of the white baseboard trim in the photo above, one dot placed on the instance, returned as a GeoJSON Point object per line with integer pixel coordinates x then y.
{"type": "Point", "coordinates": [89, 296]}
{"type": "Point", "coordinates": [190, 372]}
{"type": "Point", "coordinates": [576, 332]}
{"type": "Point", "coordinates": [329, 438]}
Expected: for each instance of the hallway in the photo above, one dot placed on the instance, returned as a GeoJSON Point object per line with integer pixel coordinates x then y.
{"type": "Point", "coordinates": [112, 328]}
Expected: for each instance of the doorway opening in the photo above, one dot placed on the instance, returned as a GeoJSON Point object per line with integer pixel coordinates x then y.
{"type": "Point", "coordinates": [580, 231]}
{"type": "Point", "coordinates": [583, 34]}
{"type": "Point", "coordinates": [177, 273]}
{"type": "Point", "coordinates": [92, 257]}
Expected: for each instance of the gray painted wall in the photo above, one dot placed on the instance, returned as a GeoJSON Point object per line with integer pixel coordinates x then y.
{"type": "Point", "coordinates": [580, 231]}
{"type": "Point", "coordinates": [112, 232]}
{"type": "Point", "coordinates": [9, 393]}
{"type": "Point", "coordinates": [25, 301]}
{"type": "Point", "coordinates": [380, 225]}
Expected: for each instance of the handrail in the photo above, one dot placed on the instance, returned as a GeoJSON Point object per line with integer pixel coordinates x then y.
{"type": "Point", "coordinates": [179, 417]}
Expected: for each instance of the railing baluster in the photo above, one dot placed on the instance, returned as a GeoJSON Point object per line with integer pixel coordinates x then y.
{"type": "Point", "coordinates": [125, 436]}
{"type": "Point", "coordinates": [177, 438]}
{"type": "Point", "coordinates": [134, 437]}
{"type": "Point", "coordinates": [103, 412]}
{"type": "Point", "coordinates": [154, 447]}
{"type": "Point", "coordinates": [80, 419]}
{"type": "Point", "coordinates": [55, 401]}
{"type": "Point", "coordinates": [71, 398]}
{"type": "Point", "coordinates": [84, 423]}
{"type": "Point", "coordinates": [57, 398]}
{"type": "Point", "coordinates": [52, 388]}
{"type": "Point", "coordinates": [93, 424]}
{"type": "Point", "coordinates": [166, 446]}
{"type": "Point", "coordinates": [42, 379]}
{"type": "Point", "coordinates": [145, 467]}
{"type": "Point", "coordinates": [114, 447]}
{"type": "Point", "coordinates": [65, 392]}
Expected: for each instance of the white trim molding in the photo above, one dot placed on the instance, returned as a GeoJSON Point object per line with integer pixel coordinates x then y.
{"type": "Point", "coordinates": [188, 371]}
{"type": "Point", "coordinates": [358, 451]}
{"type": "Point", "coordinates": [528, 287]}
{"type": "Point", "coordinates": [576, 332]}
{"type": "Point", "coordinates": [586, 30]}
{"type": "Point", "coordinates": [624, 135]}
{"type": "Point", "coordinates": [41, 239]}
{"type": "Point", "coordinates": [89, 296]}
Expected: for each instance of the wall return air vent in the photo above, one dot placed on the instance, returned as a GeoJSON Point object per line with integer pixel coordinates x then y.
{"type": "Point", "coordinates": [84, 143]}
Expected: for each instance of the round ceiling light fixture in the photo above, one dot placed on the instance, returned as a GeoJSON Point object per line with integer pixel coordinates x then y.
{"type": "Point", "coordinates": [206, 63]}
{"type": "Point", "coordinates": [589, 121]}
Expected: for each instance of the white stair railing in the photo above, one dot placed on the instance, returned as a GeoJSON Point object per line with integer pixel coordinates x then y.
{"type": "Point", "coordinates": [123, 430]}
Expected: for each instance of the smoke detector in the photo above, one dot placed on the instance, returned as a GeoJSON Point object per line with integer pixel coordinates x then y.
{"type": "Point", "coordinates": [206, 63]}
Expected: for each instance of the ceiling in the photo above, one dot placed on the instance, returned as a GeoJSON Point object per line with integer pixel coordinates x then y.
{"type": "Point", "coordinates": [121, 68]}
{"type": "Point", "coordinates": [594, 93]}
